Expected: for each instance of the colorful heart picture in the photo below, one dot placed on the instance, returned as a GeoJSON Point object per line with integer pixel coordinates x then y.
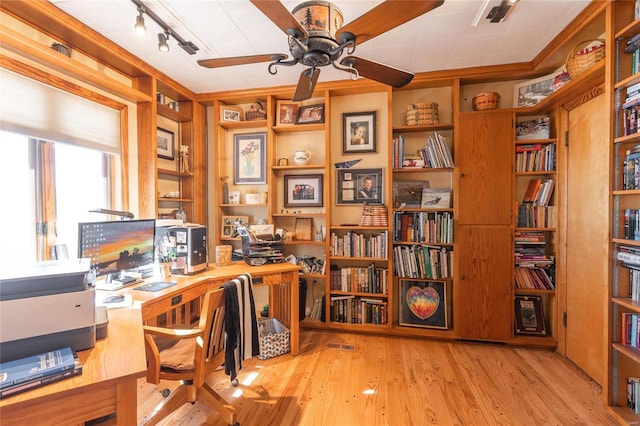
{"type": "Point", "coordinates": [423, 303]}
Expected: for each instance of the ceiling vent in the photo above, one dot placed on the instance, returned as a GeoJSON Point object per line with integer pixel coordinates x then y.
{"type": "Point", "coordinates": [493, 11]}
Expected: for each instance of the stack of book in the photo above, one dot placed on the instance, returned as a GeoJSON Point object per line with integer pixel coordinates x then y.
{"type": "Point", "coordinates": [535, 211]}
{"type": "Point", "coordinates": [38, 370]}
{"type": "Point", "coordinates": [631, 176]}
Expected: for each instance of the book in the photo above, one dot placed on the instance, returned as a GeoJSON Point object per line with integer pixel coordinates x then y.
{"type": "Point", "coordinates": [436, 198]}
{"type": "Point", "coordinates": [34, 367]}
{"type": "Point", "coordinates": [45, 380]}
{"type": "Point", "coordinates": [532, 190]}
{"type": "Point", "coordinates": [529, 317]}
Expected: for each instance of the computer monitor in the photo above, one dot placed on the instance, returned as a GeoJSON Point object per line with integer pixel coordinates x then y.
{"type": "Point", "coordinates": [117, 246]}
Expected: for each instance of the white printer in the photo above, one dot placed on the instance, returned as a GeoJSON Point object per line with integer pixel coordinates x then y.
{"type": "Point", "coordinates": [45, 306]}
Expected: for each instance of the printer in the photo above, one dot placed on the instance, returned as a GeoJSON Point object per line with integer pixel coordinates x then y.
{"type": "Point", "coordinates": [46, 306]}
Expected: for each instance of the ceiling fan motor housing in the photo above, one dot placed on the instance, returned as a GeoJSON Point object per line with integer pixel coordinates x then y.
{"type": "Point", "coordinates": [321, 19]}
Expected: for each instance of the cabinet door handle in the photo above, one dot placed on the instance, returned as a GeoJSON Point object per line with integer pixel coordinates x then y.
{"type": "Point", "coordinates": [461, 175]}
{"type": "Point", "coordinates": [462, 277]}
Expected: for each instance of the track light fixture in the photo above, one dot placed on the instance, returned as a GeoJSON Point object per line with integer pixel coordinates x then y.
{"type": "Point", "coordinates": [163, 46]}
{"type": "Point", "coordinates": [163, 37]}
{"type": "Point", "coordinates": [140, 28]}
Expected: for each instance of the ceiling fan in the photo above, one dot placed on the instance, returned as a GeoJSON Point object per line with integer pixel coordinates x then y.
{"type": "Point", "coordinates": [317, 39]}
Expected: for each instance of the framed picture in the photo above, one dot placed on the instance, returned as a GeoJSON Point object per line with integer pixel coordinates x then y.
{"type": "Point", "coordinates": [436, 198]}
{"type": "Point", "coordinates": [531, 92]}
{"type": "Point", "coordinates": [529, 316]}
{"type": "Point", "coordinates": [287, 113]}
{"type": "Point", "coordinates": [228, 228]}
{"type": "Point", "coordinates": [303, 190]}
{"type": "Point", "coordinates": [358, 186]}
{"type": "Point", "coordinates": [250, 158]}
{"type": "Point", "coordinates": [230, 113]}
{"type": "Point", "coordinates": [424, 304]}
{"type": "Point", "coordinates": [408, 193]}
{"type": "Point", "coordinates": [309, 114]}
{"type": "Point", "coordinates": [165, 144]}
{"type": "Point", "coordinates": [359, 132]}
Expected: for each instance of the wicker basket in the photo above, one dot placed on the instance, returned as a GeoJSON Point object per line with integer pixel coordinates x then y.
{"type": "Point", "coordinates": [485, 101]}
{"type": "Point", "coordinates": [582, 56]}
{"type": "Point", "coordinates": [374, 215]}
{"type": "Point", "coordinates": [255, 112]}
{"type": "Point", "coordinates": [421, 114]}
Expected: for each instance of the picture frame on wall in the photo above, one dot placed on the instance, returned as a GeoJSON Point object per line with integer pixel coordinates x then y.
{"type": "Point", "coordinates": [359, 186]}
{"type": "Point", "coordinates": [250, 157]}
{"type": "Point", "coordinates": [310, 114]}
{"type": "Point", "coordinates": [303, 191]}
{"type": "Point", "coordinates": [287, 113]}
{"type": "Point", "coordinates": [359, 132]}
{"type": "Point", "coordinates": [165, 144]}
{"type": "Point", "coordinates": [424, 304]}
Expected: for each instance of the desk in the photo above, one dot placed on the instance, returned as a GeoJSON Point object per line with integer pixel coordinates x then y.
{"type": "Point", "coordinates": [107, 385]}
{"type": "Point", "coordinates": [180, 303]}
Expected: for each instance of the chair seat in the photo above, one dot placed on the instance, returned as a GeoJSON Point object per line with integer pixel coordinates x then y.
{"type": "Point", "coordinates": [176, 355]}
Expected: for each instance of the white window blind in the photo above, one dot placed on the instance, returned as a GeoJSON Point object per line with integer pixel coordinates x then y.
{"type": "Point", "coordinates": [40, 111]}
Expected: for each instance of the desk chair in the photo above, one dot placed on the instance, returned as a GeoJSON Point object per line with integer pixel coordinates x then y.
{"type": "Point", "coordinates": [197, 353]}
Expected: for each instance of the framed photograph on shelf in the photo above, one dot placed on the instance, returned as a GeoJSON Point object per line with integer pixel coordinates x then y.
{"type": "Point", "coordinates": [408, 193]}
{"type": "Point", "coordinates": [250, 156]}
{"type": "Point", "coordinates": [359, 132]}
{"type": "Point", "coordinates": [358, 186]}
{"type": "Point", "coordinates": [436, 198]}
{"type": "Point", "coordinates": [287, 113]}
{"type": "Point", "coordinates": [230, 113]}
{"type": "Point", "coordinates": [310, 114]}
{"type": "Point", "coordinates": [529, 316]}
{"type": "Point", "coordinates": [424, 304]}
{"type": "Point", "coordinates": [531, 92]}
{"type": "Point", "coordinates": [228, 228]}
{"type": "Point", "coordinates": [303, 190]}
{"type": "Point", "coordinates": [165, 144]}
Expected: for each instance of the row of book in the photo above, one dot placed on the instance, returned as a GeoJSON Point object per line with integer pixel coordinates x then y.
{"type": "Point", "coordinates": [633, 394]}
{"type": "Point", "coordinates": [434, 154]}
{"type": "Point", "coordinates": [631, 110]}
{"type": "Point", "coordinates": [422, 261]}
{"type": "Point", "coordinates": [317, 309]}
{"type": "Point", "coordinates": [532, 216]}
{"type": "Point", "coordinates": [353, 244]}
{"type": "Point", "coordinates": [634, 284]}
{"type": "Point", "coordinates": [632, 224]}
{"type": "Point", "coordinates": [358, 310]}
{"type": "Point", "coordinates": [539, 191]}
{"type": "Point", "coordinates": [423, 227]}
{"type": "Point", "coordinates": [367, 279]}
{"type": "Point", "coordinates": [631, 329]}
{"type": "Point", "coordinates": [534, 278]}
{"type": "Point", "coordinates": [631, 175]}
{"type": "Point", "coordinates": [536, 157]}
{"type": "Point", "coordinates": [31, 372]}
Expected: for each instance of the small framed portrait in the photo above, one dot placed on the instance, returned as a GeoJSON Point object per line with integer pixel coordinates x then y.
{"type": "Point", "coordinates": [359, 186]}
{"type": "Point", "coordinates": [250, 158]}
{"type": "Point", "coordinates": [228, 228]}
{"type": "Point", "coordinates": [165, 144]}
{"type": "Point", "coordinates": [303, 190]}
{"type": "Point", "coordinates": [309, 114]}
{"type": "Point", "coordinates": [424, 304]}
{"type": "Point", "coordinates": [359, 132]}
{"type": "Point", "coordinates": [287, 113]}
{"type": "Point", "coordinates": [230, 113]}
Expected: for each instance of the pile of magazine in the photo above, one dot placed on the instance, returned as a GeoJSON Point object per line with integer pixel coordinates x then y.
{"type": "Point", "coordinates": [258, 251]}
{"type": "Point", "coordinates": [31, 372]}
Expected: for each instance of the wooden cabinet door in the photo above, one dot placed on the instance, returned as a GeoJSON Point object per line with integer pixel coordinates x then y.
{"type": "Point", "coordinates": [483, 296]}
{"type": "Point", "coordinates": [484, 155]}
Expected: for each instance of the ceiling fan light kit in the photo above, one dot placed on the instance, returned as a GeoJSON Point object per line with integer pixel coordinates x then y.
{"type": "Point", "coordinates": [317, 38]}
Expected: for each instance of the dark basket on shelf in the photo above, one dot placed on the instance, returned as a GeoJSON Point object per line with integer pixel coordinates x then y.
{"type": "Point", "coordinates": [255, 112]}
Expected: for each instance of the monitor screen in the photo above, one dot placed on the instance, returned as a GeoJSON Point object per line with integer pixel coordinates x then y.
{"type": "Point", "coordinates": [118, 245]}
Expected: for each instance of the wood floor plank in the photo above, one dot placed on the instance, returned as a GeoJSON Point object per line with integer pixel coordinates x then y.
{"type": "Point", "coordinates": [350, 379]}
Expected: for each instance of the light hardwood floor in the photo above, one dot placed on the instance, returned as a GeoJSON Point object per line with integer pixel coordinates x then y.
{"type": "Point", "coordinates": [349, 379]}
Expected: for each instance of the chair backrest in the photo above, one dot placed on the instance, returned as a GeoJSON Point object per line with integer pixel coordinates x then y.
{"type": "Point", "coordinates": [210, 347]}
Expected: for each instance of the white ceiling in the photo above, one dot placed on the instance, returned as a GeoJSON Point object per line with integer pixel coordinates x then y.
{"type": "Point", "coordinates": [442, 39]}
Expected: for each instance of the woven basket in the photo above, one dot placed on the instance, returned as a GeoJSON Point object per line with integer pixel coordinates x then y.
{"type": "Point", "coordinates": [374, 216]}
{"type": "Point", "coordinates": [255, 112]}
{"type": "Point", "coordinates": [485, 101]}
{"type": "Point", "coordinates": [422, 113]}
{"type": "Point", "coordinates": [581, 57]}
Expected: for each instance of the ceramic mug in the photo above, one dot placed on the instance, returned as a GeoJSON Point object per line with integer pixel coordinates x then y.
{"type": "Point", "coordinates": [301, 157]}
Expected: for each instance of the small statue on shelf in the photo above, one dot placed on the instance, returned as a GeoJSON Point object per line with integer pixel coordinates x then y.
{"type": "Point", "coordinates": [225, 190]}
{"type": "Point", "coordinates": [184, 159]}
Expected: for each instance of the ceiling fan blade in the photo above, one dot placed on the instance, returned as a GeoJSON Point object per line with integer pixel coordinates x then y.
{"type": "Point", "coordinates": [279, 15]}
{"type": "Point", "coordinates": [306, 84]}
{"type": "Point", "coordinates": [386, 16]}
{"type": "Point", "coordinates": [375, 71]}
{"type": "Point", "coordinates": [240, 60]}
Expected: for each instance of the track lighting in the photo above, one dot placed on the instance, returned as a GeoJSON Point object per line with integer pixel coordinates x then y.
{"type": "Point", "coordinates": [140, 28]}
{"type": "Point", "coordinates": [163, 46]}
{"type": "Point", "coordinates": [163, 37]}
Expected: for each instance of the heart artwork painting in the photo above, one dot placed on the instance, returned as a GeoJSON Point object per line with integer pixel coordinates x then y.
{"type": "Point", "coordinates": [423, 303]}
